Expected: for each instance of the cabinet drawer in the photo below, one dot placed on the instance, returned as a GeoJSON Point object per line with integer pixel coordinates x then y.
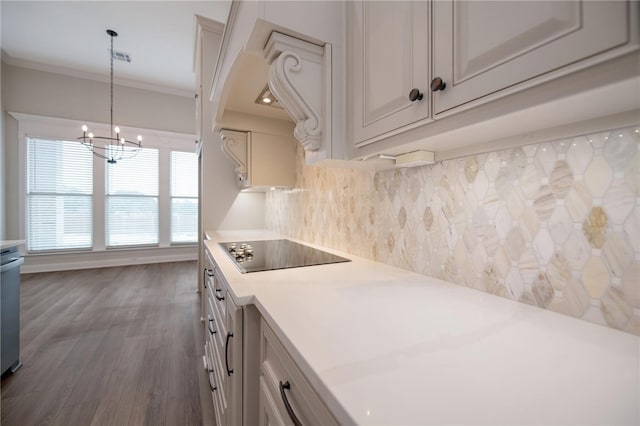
{"type": "Point", "coordinates": [214, 386]}
{"type": "Point", "coordinates": [284, 380]}
{"type": "Point", "coordinates": [214, 327]}
{"type": "Point", "coordinates": [219, 294]}
{"type": "Point", "coordinates": [218, 308]}
{"type": "Point", "coordinates": [268, 408]}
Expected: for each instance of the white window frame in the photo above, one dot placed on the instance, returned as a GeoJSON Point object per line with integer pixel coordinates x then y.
{"type": "Point", "coordinates": [171, 197]}
{"type": "Point", "coordinates": [27, 196]}
{"type": "Point", "coordinates": [136, 196]}
{"type": "Point", "coordinates": [34, 126]}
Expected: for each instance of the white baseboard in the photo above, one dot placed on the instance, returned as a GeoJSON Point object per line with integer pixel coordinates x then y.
{"type": "Point", "coordinates": [107, 258]}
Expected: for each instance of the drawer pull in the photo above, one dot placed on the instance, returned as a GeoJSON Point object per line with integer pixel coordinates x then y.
{"type": "Point", "coordinates": [209, 371]}
{"type": "Point", "coordinates": [219, 298]}
{"type": "Point", "coordinates": [207, 273]}
{"type": "Point", "coordinates": [204, 277]}
{"type": "Point", "coordinates": [211, 330]}
{"type": "Point", "coordinates": [226, 354]}
{"type": "Point", "coordinates": [285, 400]}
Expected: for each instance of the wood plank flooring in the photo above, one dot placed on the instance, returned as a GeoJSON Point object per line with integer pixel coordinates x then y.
{"type": "Point", "coordinates": [110, 346]}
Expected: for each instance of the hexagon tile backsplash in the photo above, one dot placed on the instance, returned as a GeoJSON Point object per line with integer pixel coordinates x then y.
{"type": "Point", "coordinates": [555, 225]}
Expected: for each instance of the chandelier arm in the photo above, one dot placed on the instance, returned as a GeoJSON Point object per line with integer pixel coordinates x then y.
{"type": "Point", "coordinates": [115, 141]}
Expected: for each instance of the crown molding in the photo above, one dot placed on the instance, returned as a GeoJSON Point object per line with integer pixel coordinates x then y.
{"type": "Point", "coordinates": [71, 72]}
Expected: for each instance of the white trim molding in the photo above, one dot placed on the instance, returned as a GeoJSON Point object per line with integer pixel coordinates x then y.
{"type": "Point", "coordinates": [34, 263]}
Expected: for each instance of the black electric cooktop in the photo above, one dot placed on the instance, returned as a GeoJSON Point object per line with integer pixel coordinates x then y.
{"type": "Point", "coordinates": [267, 255]}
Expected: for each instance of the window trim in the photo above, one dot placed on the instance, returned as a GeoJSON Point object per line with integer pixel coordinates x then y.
{"type": "Point", "coordinates": [35, 126]}
{"type": "Point", "coordinates": [27, 195]}
{"type": "Point", "coordinates": [172, 197]}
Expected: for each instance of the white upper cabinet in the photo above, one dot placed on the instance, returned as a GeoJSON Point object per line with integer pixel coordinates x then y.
{"type": "Point", "coordinates": [208, 36]}
{"type": "Point", "coordinates": [487, 74]}
{"type": "Point", "coordinates": [389, 57]}
{"type": "Point", "coordinates": [482, 47]}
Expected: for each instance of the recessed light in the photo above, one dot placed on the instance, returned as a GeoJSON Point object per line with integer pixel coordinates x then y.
{"type": "Point", "coordinates": [266, 98]}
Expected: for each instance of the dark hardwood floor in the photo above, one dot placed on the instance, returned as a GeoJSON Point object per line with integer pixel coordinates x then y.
{"type": "Point", "coordinates": [110, 346]}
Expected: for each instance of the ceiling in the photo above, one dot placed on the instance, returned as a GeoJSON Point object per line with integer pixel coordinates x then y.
{"type": "Point", "coordinates": [70, 37]}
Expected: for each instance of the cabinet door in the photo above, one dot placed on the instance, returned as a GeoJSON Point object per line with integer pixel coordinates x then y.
{"type": "Point", "coordinates": [482, 47]}
{"type": "Point", "coordinates": [388, 57]}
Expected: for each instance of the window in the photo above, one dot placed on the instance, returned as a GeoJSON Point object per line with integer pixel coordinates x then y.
{"type": "Point", "coordinates": [71, 200]}
{"type": "Point", "coordinates": [132, 200]}
{"type": "Point", "coordinates": [184, 197]}
{"type": "Point", "coordinates": [59, 195]}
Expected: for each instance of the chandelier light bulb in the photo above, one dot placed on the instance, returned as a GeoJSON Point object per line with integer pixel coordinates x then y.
{"type": "Point", "coordinates": [139, 138]}
{"type": "Point", "coordinates": [117, 129]}
{"type": "Point", "coordinates": [122, 141]}
{"type": "Point", "coordinates": [84, 128]}
{"type": "Point", "coordinates": [90, 135]}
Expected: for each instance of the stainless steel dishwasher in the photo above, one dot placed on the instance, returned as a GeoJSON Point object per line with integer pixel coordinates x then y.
{"type": "Point", "coordinates": [10, 261]}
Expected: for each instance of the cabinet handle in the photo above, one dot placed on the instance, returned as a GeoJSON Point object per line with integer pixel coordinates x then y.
{"type": "Point", "coordinates": [209, 371]}
{"type": "Point", "coordinates": [211, 330]}
{"type": "Point", "coordinates": [204, 277]}
{"type": "Point", "coordinates": [226, 354]}
{"type": "Point", "coordinates": [415, 95]}
{"type": "Point", "coordinates": [437, 84]}
{"type": "Point", "coordinates": [210, 272]}
{"type": "Point", "coordinates": [285, 400]}
{"type": "Point", "coordinates": [219, 298]}
{"type": "Point", "coordinates": [197, 96]}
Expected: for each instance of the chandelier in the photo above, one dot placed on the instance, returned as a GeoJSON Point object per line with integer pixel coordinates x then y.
{"type": "Point", "coordinates": [112, 149]}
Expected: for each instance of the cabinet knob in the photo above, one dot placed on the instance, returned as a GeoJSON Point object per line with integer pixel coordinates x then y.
{"type": "Point", "coordinates": [197, 96]}
{"type": "Point", "coordinates": [437, 84]}
{"type": "Point", "coordinates": [415, 95]}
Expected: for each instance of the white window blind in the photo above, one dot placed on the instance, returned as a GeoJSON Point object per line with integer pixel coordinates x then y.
{"type": "Point", "coordinates": [184, 197]}
{"type": "Point", "coordinates": [132, 200]}
{"type": "Point", "coordinates": [59, 195]}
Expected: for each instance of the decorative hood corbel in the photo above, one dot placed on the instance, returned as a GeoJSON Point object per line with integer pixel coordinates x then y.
{"type": "Point", "coordinates": [236, 146]}
{"type": "Point", "coordinates": [300, 78]}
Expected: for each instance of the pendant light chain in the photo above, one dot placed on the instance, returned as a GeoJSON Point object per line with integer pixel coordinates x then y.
{"type": "Point", "coordinates": [111, 86]}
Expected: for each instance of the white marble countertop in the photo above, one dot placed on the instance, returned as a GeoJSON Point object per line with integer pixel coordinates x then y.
{"type": "Point", "coordinates": [386, 346]}
{"type": "Point", "coordinates": [5, 244]}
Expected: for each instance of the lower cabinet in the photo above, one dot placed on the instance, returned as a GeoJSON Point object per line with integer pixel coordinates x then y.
{"type": "Point", "coordinates": [286, 397]}
{"type": "Point", "coordinates": [251, 376]}
{"type": "Point", "coordinates": [223, 349]}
